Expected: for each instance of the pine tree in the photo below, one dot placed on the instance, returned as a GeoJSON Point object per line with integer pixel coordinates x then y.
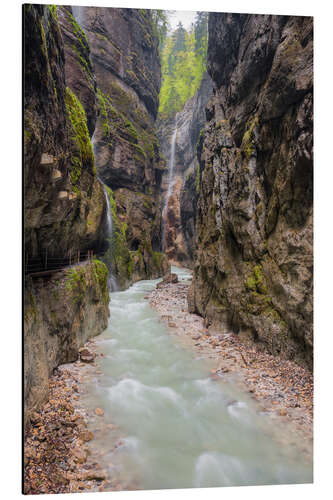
{"type": "Point", "coordinates": [183, 60]}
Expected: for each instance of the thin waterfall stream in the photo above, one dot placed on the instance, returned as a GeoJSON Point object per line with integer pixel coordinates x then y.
{"type": "Point", "coordinates": [112, 282]}
{"type": "Point", "coordinates": [166, 423]}
{"type": "Point", "coordinates": [170, 185]}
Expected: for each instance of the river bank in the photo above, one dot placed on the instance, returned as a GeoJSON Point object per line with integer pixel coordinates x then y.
{"type": "Point", "coordinates": [57, 458]}
{"type": "Point", "coordinates": [144, 413]}
{"type": "Point", "coordinates": [283, 389]}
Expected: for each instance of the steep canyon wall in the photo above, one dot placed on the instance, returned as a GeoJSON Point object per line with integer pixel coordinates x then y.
{"type": "Point", "coordinates": [180, 218]}
{"type": "Point", "coordinates": [64, 209]}
{"type": "Point", "coordinates": [253, 265]}
{"type": "Point", "coordinates": [124, 53]}
{"type": "Point", "coordinates": [90, 102]}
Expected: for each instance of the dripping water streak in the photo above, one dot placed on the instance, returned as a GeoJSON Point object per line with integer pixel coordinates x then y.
{"type": "Point", "coordinates": [170, 185]}
{"type": "Point", "coordinates": [112, 282]}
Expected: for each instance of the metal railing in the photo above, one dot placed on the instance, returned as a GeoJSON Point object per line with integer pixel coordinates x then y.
{"type": "Point", "coordinates": [46, 264]}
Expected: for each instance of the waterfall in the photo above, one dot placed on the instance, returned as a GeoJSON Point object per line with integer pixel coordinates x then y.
{"type": "Point", "coordinates": [112, 282]}
{"type": "Point", "coordinates": [109, 222]}
{"type": "Point", "coordinates": [78, 14]}
{"type": "Point", "coordinates": [170, 185]}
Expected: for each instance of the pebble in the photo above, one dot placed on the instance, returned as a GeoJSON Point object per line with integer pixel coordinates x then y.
{"type": "Point", "coordinates": [99, 412]}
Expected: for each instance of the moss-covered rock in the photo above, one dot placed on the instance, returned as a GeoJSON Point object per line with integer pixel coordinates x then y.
{"type": "Point", "coordinates": [128, 257]}
{"type": "Point", "coordinates": [61, 314]}
{"type": "Point", "coordinates": [82, 156]}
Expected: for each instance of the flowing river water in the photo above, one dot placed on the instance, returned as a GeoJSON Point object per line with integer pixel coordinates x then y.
{"type": "Point", "coordinates": [167, 423]}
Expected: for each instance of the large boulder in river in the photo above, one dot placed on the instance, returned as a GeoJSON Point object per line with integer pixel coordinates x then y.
{"type": "Point", "coordinates": [168, 278]}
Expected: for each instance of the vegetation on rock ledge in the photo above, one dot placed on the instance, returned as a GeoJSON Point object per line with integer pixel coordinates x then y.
{"type": "Point", "coordinates": [82, 153]}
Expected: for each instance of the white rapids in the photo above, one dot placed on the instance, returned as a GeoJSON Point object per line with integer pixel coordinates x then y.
{"type": "Point", "coordinates": [179, 428]}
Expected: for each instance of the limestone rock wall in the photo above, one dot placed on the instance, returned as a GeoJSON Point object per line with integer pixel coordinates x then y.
{"type": "Point", "coordinates": [61, 314]}
{"type": "Point", "coordinates": [124, 53]}
{"type": "Point", "coordinates": [253, 265]}
{"type": "Point", "coordinates": [64, 203]}
{"type": "Point", "coordinates": [64, 207]}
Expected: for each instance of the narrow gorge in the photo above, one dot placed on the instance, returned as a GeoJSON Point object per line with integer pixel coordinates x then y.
{"type": "Point", "coordinates": [168, 261]}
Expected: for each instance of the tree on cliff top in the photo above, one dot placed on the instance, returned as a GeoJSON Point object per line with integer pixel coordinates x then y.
{"type": "Point", "coordinates": [183, 59]}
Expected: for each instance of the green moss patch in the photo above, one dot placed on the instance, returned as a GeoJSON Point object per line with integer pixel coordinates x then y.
{"type": "Point", "coordinates": [91, 277]}
{"type": "Point", "coordinates": [255, 281]}
{"type": "Point", "coordinates": [247, 146]}
{"type": "Point", "coordinates": [82, 153]}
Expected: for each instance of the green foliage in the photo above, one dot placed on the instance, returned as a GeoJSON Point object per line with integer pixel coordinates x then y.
{"type": "Point", "coordinates": [160, 25]}
{"type": "Point", "coordinates": [101, 276]}
{"type": "Point", "coordinates": [77, 283]}
{"type": "Point", "coordinates": [79, 33]}
{"type": "Point", "coordinates": [197, 180]}
{"type": "Point", "coordinates": [82, 152]}
{"type": "Point", "coordinates": [183, 60]}
{"type": "Point", "coordinates": [247, 145]}
{"type": "Point", "coordinates": [103, 102]}
{"type": "Point", "coordinates": [53, 11]}
{"type": "Point", "coordinates": [255, 281]}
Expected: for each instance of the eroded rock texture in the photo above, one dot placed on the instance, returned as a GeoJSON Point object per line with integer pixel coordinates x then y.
{"type": "Point", "coordinates": [181, 214]}
{"type": "Point", "coordinates": [65, 207]}
{"type": "Point", "coordinates": [61, 314]}
{"type": "Point", "coordinates": [125, 59]}
{"type": "Point", "coordinates": [253, 267]}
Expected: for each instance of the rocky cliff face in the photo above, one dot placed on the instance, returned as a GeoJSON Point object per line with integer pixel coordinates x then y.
{"type": "Point", "coordinates": [61, 314]}
{"type": "Point", "coordinates": [253, 267]}
{"type": "Point", "coordinates": [181, 213]}
{"type": "Point", "coordinates": [124, 54]}
{"type": "Point", "coordinates": [65, 207]}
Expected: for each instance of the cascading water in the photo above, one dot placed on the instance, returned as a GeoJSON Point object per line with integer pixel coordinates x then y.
{"type": "Point", "coordinates": [112, 282]}
{"type": "Point", "coordinates": [170, 185]}
{"type": "Point", "coordinates": [167, 423]}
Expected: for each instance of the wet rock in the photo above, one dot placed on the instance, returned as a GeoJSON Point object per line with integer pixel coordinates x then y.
{"type": "Point", "coordinates": [180, 224]}
{"type": "Point", "coordinates": [86, 356]}
{"type": "Point", "coordinates": [253, 270]}
{"type": "Point", "coordinates": [79, 455]}
{"type": "Point", "coordinates": [99, 412]}
{"type": "Point", "coordinates": [86, 435]}
{"type": "Point", "coordinates": [124, 53]}
{"type": "Point", "coordinates": [168, 278]}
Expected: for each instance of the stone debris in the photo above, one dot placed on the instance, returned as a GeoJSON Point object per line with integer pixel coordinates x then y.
{"type": "Point", "coordinates": [86, 355]}
{"type": "Point", "coordinates": [56, 455]}
{"type": "Point", "coordinates": [168, 278]}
